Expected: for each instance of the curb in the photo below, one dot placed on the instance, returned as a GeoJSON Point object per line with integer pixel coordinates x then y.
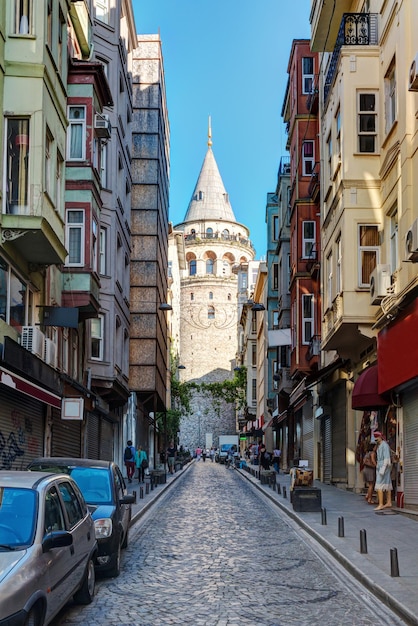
{"type": "Point", "coordinates": [378, 591]}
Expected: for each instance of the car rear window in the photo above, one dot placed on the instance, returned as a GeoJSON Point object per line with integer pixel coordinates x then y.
{"type": "Point", "coordinates": [94, 484]}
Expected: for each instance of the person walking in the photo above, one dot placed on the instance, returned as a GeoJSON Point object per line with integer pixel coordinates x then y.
{"type": "Point", "coordinates": [171, 456]}
{"type": "Point", "coordinates": [276, 459]}
{"type": "Point", "coordinates": [141, 463]}
{"type": "Point", "coordinates": [129, 460]}
{"type": "Point", "coordinates": [383, 467]}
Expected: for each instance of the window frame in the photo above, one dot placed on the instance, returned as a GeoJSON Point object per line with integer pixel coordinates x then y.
{"type": "Point", "coordinates": [308, 240]}
{"type": "Point", "coordinates": [308, 160]}
{"type": "Point", "coordinates": [16, 175]}
{"type": "Point", "coordinates": [23, 23]}
{"type": "Point", "coordinates": [364, 270]}
{"type": "Point", "coordinates": [307, 319]}
{"type": "Point", "coordinates": [362, 114]}
{"type": "Point", "coordinates": [72, 124]}
{"type": "Point", "coordinates": [390, 96]}
{"type": "Point", "coordinates": [308, 77]}
{"type": "Point", "coordinates": [71, 227]}
{"type": "Point", "coordinates": [97, 338]}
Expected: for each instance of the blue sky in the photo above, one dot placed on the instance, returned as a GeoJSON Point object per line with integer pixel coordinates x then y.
{"type": "Point", "coordinates": [226, 59]}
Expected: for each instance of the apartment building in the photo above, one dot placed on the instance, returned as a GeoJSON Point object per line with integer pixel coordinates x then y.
{"type": "Point", "coordinates": [278, 258]}
{"type": "Point", "coordinates": [368, 100]}
{"type": "Point", "coordinates": [299, 112]}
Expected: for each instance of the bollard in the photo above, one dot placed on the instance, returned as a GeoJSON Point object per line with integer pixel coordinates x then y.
{"type": "Point", "coordinates": [141, 493]}
{"type": "Point", "coordinates": [275, 486]}
{"type": "Point", "coordinates": [284, 492]}
{"type": "Point", "coordinates": [323, 516]}
{"type": "Point", "coordinates": [134, 495]}
{"type": "Point", "coordinates": [146, 488]}
{"type": "Point", "coordinates": [394, 565]}
{"type": "Point", "coordinates": [151, 484]}
{"type": "Point", "coordinates": [363, 541]}
{"type": "Point", "coordinates": [279, 489]}
{"type": "Point", "coordinates": [341, 527]}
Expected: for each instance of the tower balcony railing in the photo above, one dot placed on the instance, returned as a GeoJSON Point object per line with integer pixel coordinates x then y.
{"type": "Point", "coordinates": [197, 238]}
{"type": "Point", "coordinates": [356, 29]}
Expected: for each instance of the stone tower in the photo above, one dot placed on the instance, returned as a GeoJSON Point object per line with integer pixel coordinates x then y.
{"type": "Point", "coordinates": [215, 244]}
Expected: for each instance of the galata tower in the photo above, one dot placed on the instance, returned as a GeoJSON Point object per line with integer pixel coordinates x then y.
{"type": "Point", "coordinates": [216, 245]}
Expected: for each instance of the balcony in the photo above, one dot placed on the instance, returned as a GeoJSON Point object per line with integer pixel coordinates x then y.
{"type": "Point", "coordinates": [33, 238]}
{"type": "Point", "coordinates": [196, 239]}
{"type": "Point", "coordinates": [356, 29]}
{"type": "Point", "coordinates": [314, 184]}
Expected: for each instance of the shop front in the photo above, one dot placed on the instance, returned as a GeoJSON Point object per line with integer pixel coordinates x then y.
{"type": "Point", "coordinates": [397, 349]}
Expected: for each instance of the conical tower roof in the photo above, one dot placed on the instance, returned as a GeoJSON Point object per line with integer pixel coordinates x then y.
{"type": "Point", "coordinates": [210, 199]}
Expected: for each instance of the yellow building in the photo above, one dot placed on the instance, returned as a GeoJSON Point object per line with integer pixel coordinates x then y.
{"type": "Point", "coordinates": [368, 87]}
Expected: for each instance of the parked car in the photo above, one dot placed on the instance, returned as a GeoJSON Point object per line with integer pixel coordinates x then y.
{"type": "Point", "coordinates": [104, 490]}
{"type": "Point", "coordinates": [47, 547]}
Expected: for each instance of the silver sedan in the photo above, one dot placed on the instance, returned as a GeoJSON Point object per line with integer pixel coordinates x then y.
{"type": "Point", "coordinates": [47, 547]}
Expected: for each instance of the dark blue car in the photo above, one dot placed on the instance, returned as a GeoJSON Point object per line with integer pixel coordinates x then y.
{"type": "Point", "coordinates": [104, 490]}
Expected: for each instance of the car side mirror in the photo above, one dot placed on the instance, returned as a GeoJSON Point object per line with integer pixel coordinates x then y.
{"type": "Point", "coordinates": [128, 499]}
{"type": "Point", "coordinates": [57, 539]}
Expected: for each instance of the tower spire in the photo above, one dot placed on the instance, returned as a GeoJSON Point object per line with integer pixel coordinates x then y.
{"type": "Point", "coordinates": [209, 131]}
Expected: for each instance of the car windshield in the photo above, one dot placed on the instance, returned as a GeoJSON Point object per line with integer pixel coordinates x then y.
{"type": "Point", "coordinates": [17, 517]}
{"type": "Point", "coordinates": [94, 484]}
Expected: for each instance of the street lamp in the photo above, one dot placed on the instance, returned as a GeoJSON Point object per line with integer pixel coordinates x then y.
{"type": "Point", "coordinates": [258, 306]}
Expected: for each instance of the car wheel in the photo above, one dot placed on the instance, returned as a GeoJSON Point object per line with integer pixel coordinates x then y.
{"type": "Point", "coordinates": [114, 571]}
{"type": "Point", "coordinates": [33, 617]}
{"type": "Point", "coordinates": [85, 594]}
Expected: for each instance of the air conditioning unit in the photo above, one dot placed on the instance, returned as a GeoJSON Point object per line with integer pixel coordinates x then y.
{"type": "Point", "coordinates": [50, 352]}
{"type": "Point", "coordinates": [413, 75]}
{"type": "Point", "coordinates": [411, 243]}
{"type": "Point", "coordinates": [380, 283]}
{"type": "Point", "coordinates": [102, 126]}
{"type": "Point", "coordinates": [33, 340]}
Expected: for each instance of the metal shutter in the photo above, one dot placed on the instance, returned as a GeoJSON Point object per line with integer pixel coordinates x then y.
{"type": "Point", "coordinates": [106, 440]}
{"type": "Point", "coordinates": [66, 436]}
{"type": "Point", "coordinates": [326, 437]}
{"type": "Point", "coordinates": [410, 422]}
{"type": "Point", "coordinates": [22, 429]}
{"type": "Point", "coordinates": [93, 440]}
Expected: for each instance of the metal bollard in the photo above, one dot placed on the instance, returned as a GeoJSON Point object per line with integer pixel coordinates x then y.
{"type": "Point", "coordinates": [279, 489]}
{"type": "Point", "coordinates": [341, 527]}
{"type": "Point", "coordinates": [284, 492]}
{"type": "Point", "coordinates": [363, 541]}
{"type": "Point", "coordinates": [146, 488]}
{"type": "Point", "coordinates": [323, 516]}
{"type": "Point", "coordinates": [141, 493]}
{"type": "Point", "coordinates": [394, 565]}
{"type": "Point", "coordinates": [134, 495]}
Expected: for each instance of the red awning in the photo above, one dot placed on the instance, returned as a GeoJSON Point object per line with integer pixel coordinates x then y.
{"type": "Point", "coordinates": [365, 393]}
{"type": "Point", "coordinates": [10, 379]}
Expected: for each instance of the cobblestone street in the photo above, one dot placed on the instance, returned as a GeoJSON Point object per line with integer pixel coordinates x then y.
{"type": "Point", "coordinates": [213, 551]}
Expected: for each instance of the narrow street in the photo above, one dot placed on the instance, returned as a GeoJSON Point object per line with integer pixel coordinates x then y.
{"type": "Point", "coordinates": [213, 551]}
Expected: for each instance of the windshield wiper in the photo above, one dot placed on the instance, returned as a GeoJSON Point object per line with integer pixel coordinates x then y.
{"type": "Point", "coordinates": [4, 546]}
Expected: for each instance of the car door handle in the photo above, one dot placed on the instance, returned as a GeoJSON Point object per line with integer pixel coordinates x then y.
{"type": "Point", "coordinates": [88, 536]}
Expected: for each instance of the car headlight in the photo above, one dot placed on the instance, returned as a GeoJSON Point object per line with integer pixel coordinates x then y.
{"type": "Point", "coordinates": [103, 528]}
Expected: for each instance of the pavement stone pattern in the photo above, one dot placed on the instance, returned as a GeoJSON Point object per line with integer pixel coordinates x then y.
{"type": "Point", "coordinates": [214, 552]}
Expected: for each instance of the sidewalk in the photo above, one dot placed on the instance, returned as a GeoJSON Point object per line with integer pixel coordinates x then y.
{"type": "Point", "coordinates": [383, 531]}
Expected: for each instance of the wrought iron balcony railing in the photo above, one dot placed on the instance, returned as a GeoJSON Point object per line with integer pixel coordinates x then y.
{"type": "Point", "coordinates": [356, 29]}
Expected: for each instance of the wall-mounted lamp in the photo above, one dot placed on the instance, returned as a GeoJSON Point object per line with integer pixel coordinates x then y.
{"type": "Point", "coordinates": [257, 306]}
{"type": "Point", "coordinates": [164, 306]}
{"type": "Point", "coordinates": [181, 367]}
